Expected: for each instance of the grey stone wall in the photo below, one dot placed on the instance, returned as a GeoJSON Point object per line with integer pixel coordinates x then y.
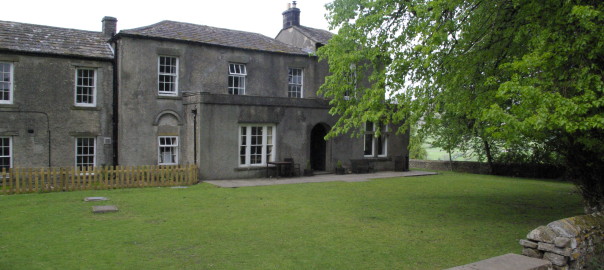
{"type": "Point", "coordinates": [458, 166]}
{"type": "Point", "coordinates": [514, 170]}
{"type": "Point", "coordinates": [568, 243]}
{"type": "Point", "coordinates": [45, 86]}
{"type": "Point", "coordinates": [294, 37]}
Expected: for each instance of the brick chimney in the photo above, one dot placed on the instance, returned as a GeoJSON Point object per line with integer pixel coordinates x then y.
{"type": "Point", "coordinates": [291, 17]}
{"type": "Point", "coordinates": [109, 26]}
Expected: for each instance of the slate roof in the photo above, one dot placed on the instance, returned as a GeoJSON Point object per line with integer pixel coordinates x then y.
{"type": "Point", "coordinates": [211, 35]}
{"type": "Point", "coordinates": [318, 35]}
{"type": "Point", "coordinates": [31, 38]}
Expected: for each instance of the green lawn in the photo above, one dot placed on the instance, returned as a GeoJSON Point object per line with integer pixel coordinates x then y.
{"type": "Point", "coordinates": [429, 222]}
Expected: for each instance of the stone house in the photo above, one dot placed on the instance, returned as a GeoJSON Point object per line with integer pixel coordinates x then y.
{"type": "Point", "coordinates": [179, 93]}
{"type": "Point", "coordinates": [56, 101]}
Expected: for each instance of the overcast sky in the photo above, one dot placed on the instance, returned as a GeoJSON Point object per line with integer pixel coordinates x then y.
{"type": "Point", "coordinates": [259, 16]}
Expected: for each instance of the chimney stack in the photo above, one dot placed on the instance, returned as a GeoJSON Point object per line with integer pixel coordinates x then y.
{"type": "Point", "coordinates": [291, 17]}
{"type": "Point", "coordinates": [109, 26]}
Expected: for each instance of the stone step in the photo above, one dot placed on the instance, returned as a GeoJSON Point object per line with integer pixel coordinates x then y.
{"type": "Point", "coordinates": [507, 262]}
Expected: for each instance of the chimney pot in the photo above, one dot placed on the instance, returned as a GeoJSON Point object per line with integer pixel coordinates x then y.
{"type": "Point", "coordinates": [109, 26]}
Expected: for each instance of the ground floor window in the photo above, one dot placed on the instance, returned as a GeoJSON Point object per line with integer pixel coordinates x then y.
{"type": "Point", "coordinates": [168, 150]}
{"type": "Point", "coordinates": [6, 153]}
{"type": "Point", "coordinates": [85, 152]}
{"type": "Point", "coordinates": [256, 144]}
{"type": "Point", "coordinates": [375, 145]}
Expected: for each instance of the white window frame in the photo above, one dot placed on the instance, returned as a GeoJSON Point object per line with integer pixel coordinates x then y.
{"type": "Point", "coordinates": [237, 71]}
{"type": "Point", "coordinates": [293, 84]}
{"type": "Point", "coordinates": [268, 148]}
{"type": "Point", "coordinates": [10, 152]}
{"type": "Point", "coordinates": [375, 141]}
{"type": "Point", "coordinates": [174, 146]}
{"type": "Point", "coordinates": [78, 154]}
{"type": "Point", "coordinates": [11, 83]}
{"type": "Point", "coordinates": [78, 86]}
{"type": "Point", "coordinates": [174, 75]}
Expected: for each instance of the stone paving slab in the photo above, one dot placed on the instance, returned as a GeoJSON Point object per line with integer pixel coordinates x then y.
{"type": "Point", "coordinates": [95, 199]}
{"type": "Point", "coordinates": [313, 179]}
{"type": "Point", "coordinates": [508, 261]}
{"type": "Point", "coordinates": [99, 209]}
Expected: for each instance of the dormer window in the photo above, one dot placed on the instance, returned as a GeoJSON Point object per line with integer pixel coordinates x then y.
{"type": "Point", "coordinates": [237, 74]}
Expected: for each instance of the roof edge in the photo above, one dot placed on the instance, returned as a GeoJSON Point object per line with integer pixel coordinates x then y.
{"type": "Point", "coordinates": [120, 34]}
{"type": "Point", "coordinates": [58, 55]}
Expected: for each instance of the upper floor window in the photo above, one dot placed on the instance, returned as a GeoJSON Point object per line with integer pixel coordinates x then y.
{"type": "Point", "coordinates": [85, 152]}
{"type": "Point", "coordinates": [6, 83]}
{"type": "Point", "coordinates": [294, 78]}
{"type": "Point", "coordinates": [237, 74]}
{"type": "Point", "coordinates": [6, 153]}
{"type": "Point", "coordinates": [256, 144]}
{"type": "Point", "coordinates": [168, 150]}
{"type": "Point", "coordinates": [85, 88]}
{"type": "Point", "coordinates": [375, 145]}
{"type": "Point", "coordinates": [168, 76]}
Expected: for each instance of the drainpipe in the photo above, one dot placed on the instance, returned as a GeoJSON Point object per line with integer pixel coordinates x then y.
{"type": "Point", "coordinates": [194, 111]}
{"type": "Point", "coordinates": [115, 104]}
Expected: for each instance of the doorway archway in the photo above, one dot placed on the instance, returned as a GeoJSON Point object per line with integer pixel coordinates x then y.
{"type": "Point", "coordinates": [318, 147]}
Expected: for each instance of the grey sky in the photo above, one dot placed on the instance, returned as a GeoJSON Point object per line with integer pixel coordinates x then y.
{"type": "Point", "coordinates": [259, 16]}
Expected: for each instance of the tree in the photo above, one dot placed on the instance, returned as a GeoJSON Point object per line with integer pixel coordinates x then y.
{"type": "Point", "coordinates": [416, 145]}
{"type": "Point", "coordinates": [497, 73]}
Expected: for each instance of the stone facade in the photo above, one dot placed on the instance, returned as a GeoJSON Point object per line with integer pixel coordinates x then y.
{"type": "Point", "coordinates": [568, 243]}
{"type": "Point", "coordinates": [176, 93]}
{"type": "Point", "coordinates": [43, 120]}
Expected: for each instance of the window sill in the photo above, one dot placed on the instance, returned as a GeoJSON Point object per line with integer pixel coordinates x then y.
{"type": "Point", "coordinates": [384, 158]}
{"type": "Point", "coordinates": [82, 108]}
{"type": "Point", "coordinates": [9, 105]}
{"type": "Point", "coordinates": [251, 168]}
{"type": "Point", "coordinates": [169, 97]}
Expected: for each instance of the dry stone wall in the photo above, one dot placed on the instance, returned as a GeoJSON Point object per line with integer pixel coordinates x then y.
{"type": "Point", "coordinates": [568, 243]}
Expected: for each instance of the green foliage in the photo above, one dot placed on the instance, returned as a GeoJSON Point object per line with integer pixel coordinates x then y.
{"type": "Point", "coordinates": [596, 262]}
{"type": "Point", "coordinates": [430, 222]}
{"type": "Point", "coordinates": [509, 80]}
{"type": "Point", "coordinates": [416, 145]}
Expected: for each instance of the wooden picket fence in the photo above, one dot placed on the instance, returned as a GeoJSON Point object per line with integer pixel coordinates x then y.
{"type": "Point", "coordinates": [28, 180]}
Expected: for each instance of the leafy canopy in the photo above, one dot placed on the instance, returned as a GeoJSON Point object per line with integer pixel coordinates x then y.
{"type": "Point", "coordinates": [499, 72]}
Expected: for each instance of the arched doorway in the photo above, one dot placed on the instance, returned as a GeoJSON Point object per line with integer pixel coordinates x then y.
{"type": "Point", "coordinates": [318, 147]}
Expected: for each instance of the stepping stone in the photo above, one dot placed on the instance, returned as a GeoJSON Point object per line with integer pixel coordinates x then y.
{"type": "Point", "coordinates": [179, 187]}
{"type": "Point", "coordinates": [104, 209]}
{"type": "Point", "coordinates": [507, 262]}
{"type": "Point", "coordinates": [95, 199]}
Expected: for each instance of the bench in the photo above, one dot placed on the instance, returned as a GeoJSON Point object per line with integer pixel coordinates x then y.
{"type": "Point", "coordinates": [361, 166]}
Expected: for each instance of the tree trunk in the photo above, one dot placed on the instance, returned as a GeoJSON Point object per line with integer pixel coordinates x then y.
{"type": "Point", "coordinates": [487, 150]}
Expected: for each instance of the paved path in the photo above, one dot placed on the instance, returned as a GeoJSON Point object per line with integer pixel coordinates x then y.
{"type": "Point", "coordinates": [313, 179]}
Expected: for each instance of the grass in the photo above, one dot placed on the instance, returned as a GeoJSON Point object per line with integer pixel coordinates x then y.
{"type": "Point", "coordinates": [429, 222]}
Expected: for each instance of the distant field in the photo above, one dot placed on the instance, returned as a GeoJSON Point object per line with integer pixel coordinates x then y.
{"type": "Point", "coordinates": [435, 153]}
